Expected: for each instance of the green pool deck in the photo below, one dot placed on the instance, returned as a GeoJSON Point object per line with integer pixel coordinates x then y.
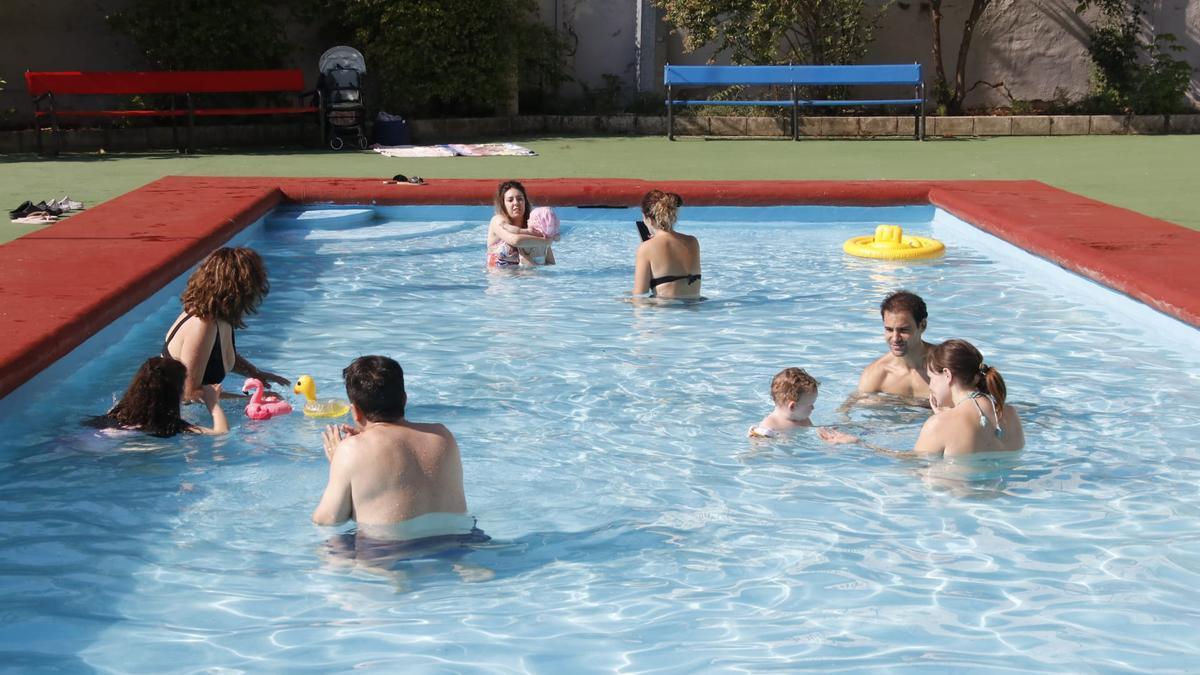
{"type": "Point", "coordinates": [1155, 175]}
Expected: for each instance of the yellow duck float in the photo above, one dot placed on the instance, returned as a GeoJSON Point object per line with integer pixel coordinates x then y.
{"type": "Point", "coordinates": [330, 407]}
{"type": "Point", "coordinates": [890, 243]}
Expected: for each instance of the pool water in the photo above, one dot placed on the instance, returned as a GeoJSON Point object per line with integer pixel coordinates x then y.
{"type": "Point", "coordinates": [634, 526]}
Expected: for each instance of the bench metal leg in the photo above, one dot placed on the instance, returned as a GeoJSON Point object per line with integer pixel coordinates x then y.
{"type": "Point", "coordinates": [795, 122]}
{"type": "Point", "coordinates": [191, 132]}
{"type": "Point", "coordinates": [919, 119]}
{"type": "Point", "coordinates": [670, 117]}
{"type": "Point", "coordinates": [58, 134]}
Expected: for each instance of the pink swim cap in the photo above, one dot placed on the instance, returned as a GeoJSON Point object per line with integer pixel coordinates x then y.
{"type": "Point", "coordinates": [543, 222]}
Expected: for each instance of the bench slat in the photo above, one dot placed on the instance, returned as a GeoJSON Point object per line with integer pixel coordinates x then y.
{"type": "Point", "coordinates": [771, 102]}
{"type": "Point", "coordinates": [881, 101]}
{"type": "Point", "coordinates": [218, 112]}
{"type": "Point", "coordinates": [113, 113]}
{"type": "Point", "coordinates": [683, 76]}
{"type": "Point", "coordinates": [164, 82]}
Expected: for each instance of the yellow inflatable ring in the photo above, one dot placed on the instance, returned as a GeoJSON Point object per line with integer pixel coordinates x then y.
{"type": "Point", "coordinates": [890, 243]}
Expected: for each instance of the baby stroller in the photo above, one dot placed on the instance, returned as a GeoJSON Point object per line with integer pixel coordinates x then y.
{"type": "Point", "coordinates": [343, 114]}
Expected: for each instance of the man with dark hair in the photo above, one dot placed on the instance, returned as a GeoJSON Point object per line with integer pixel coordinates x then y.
{"type": "Point", "coordinates": [902, 370]}
{"type": "Point", "coordinates": [386, 470]}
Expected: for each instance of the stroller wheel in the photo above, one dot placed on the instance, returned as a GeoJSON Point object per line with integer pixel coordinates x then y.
{"type": "Point", "coordinates": [362, 142]}
{"type": "Point", "coordinates": [335, 143]}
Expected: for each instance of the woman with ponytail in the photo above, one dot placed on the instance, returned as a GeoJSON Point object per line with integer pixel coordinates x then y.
{"type": "Point", "coordinates": [668, 263]}
{"type": "Point", "coordinates": [968, 401]}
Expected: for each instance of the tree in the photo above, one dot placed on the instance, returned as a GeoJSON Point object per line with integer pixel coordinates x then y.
{"type": "Point", "coordinates": [1135, 75]}
{"type": "Point", "coordinates": [460, 57]}
{"type": "Point", "coordinates": [777, 31]}
{"type": "Point", "coordinates": [952, 99]}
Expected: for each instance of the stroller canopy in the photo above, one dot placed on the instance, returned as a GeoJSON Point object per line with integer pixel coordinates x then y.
{"type": "Point", "coordinates": [342, 57]}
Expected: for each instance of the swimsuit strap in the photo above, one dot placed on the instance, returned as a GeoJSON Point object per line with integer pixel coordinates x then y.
{"type": "Point", "coordinates": [656, 281]}
{"type": "Point", "coordinates": [173, 332]}
{"type": "Point", "coordinates": [983, 420]}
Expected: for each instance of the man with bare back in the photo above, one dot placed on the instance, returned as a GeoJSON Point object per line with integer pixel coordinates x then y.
{"type": "Point", "coordinates": [386, 470]}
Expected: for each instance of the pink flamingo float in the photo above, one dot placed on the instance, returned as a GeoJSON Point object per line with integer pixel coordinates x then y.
{"type": "Point", "coordinates": [263, 404]}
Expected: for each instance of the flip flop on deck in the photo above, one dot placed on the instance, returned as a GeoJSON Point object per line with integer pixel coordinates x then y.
{"type": "Point", "coordinates": [35, 218]}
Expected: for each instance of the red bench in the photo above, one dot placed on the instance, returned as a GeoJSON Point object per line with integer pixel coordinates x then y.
{"type": "Point", "coordinates": [49, 88]}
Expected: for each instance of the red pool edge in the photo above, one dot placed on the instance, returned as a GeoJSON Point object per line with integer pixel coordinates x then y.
{"type": "Point", "coordinates": [63, 284]}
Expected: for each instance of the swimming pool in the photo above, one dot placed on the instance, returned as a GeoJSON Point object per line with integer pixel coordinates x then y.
{"type": "Point", "coordinates": [634, 526]}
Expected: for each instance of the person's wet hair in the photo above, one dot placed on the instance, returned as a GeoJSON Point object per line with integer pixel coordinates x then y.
{"type": "Point", "coordinates": [151, 403]}
{"type": "Point", "coordinates": [790, 384]}
{"type": "Point", "coordinates": [966, 364]}
{"type": "Point", "coordinates": [375, 385]}
{"type": "Point", "coordinates": [904, 301]}
{"type": "Point", "coordinates": [663, 208]}
{"type": "Point", "coordinates": [228, 285]}
{"type": "Point", "coordinates": [498, 201]}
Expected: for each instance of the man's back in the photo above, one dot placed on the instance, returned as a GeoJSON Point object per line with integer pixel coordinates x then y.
{"type": "Point", "coordinates": [392, 472]}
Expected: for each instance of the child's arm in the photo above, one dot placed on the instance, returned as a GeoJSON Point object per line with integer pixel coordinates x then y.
{"type": "Point", "coordinates": [211, 394]}
{"type": "Point", "coordinates": [514, 236]}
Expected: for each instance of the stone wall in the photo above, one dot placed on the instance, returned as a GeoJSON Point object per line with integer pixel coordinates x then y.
{"type": "Point", "coordinates": [496, 128]}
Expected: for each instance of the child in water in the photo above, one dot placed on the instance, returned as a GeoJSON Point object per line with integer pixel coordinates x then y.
{"type": "Point", "coordinates": [543, 222]}
{"type": "Point", "coordinates": [151, 403]}
{"type": "Point", "coordinates": [794, 392]}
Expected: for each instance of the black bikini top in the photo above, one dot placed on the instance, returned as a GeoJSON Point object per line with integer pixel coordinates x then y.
{"type": "Point", "coordinates": [691, 279]}
{"type": "Point", "coordinates": [214, 370]}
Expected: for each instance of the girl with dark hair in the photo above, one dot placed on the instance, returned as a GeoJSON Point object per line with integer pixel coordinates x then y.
{"type": "Point", "coordinates": [508, 232]}
{"type": "Point", "coordinates": [668, 263]}
{"type": "Point", "coordinates": [151, 403]}
{"type": "Point", "coordinates": [229, 285]}
{"type": "Point", "coordinates": [968, 401]}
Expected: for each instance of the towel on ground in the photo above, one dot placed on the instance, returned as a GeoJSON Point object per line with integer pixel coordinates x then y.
{"type": "Point", "coordinates": [455, 150]}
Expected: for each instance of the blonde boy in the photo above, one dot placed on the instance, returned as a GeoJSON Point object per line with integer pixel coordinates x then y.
{"type": "Point", "coordinates": [794, 392]}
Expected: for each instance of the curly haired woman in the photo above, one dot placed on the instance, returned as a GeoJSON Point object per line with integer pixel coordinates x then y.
{"type": "Point", "coordinates": [230, 284]}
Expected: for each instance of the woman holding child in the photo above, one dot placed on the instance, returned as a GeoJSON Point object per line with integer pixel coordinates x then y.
{"type": "Point", "coordinates": [510, 241]}
{"type": "Point", "coordinates": [668, 263]}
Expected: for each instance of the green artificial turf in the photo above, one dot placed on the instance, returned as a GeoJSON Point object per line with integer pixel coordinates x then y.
{"type": "Point", "coordinates": [1154, 175]}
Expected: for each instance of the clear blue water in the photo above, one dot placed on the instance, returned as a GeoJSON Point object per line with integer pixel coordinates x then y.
{"type": "Point", "coordinates": [635, 527]}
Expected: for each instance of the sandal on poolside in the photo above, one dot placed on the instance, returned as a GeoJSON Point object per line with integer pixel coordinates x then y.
{"type": "Point", "coordinates": [23, 210]}
{"type": "Point", "coordinates": [401, 178]}
{"type": "Point", "coordinates": [50, 208]}
{"type": "Point", "coordinates": [35, 218]}
{"type": "Point", "coordinates": [66, 204]}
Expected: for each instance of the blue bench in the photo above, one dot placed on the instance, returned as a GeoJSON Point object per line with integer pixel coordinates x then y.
{"type": "Point", "coordinates": [906, 74]}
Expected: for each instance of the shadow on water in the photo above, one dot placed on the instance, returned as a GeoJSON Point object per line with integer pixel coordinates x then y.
{"type": "Point", "coordinates": [476, 557]}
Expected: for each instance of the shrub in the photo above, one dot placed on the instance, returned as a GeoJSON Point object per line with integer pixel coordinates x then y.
{"type": "Point", "coordinates": [453, 58]}
{"type": "Point", "coordinates": [205, 34]}
{"type": "Point", "coordinates": [1132, 75]}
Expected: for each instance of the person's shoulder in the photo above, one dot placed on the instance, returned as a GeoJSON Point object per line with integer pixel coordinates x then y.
{"type": "Point", "coordinates": [876, 369]}
{"type": "Point", "coordinates": [432, 429]}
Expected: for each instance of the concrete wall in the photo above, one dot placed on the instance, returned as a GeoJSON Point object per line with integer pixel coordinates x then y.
{"type": "Point", "coordinates": [1034, 47]}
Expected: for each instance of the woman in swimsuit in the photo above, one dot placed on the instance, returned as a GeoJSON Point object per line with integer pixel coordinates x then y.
{"type": "Point", "coordinates": [227, 286]}
{"type": "Point", "coordinates": [508, 238]}
{"type": "Point", "coordinates": [969, 410]}
{"type": "Point", "coordinates": [668, 263]}
{"type": "Point", "coordinates": [151, 403]}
